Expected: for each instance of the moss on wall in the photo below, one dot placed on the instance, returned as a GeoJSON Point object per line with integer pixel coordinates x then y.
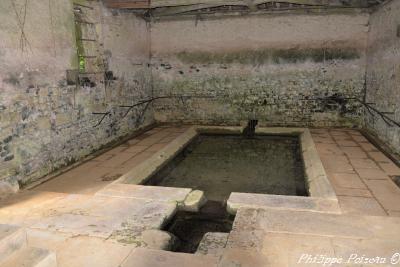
{"type": "Point", "coordinates": [286, 97]}
{"type": "Point", "coordinates": [258, 57]}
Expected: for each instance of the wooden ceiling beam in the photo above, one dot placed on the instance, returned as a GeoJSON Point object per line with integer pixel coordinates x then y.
{"type": "Point", "coordinates": [150, 4]}
{"type": "Point", "coordinates": [167, 3]}
{"type": "Point", "coordinates": [128, 4]}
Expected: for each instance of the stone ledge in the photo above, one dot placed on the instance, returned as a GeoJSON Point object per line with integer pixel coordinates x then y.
{"type": "Point", "coordinates": [317, 180]}
{"type": "Point", "coordinates": [157, 193]}
{"type": "Point", "coordinates": [193, 202]}
{"type": "Point", "coordinates": [248, 200]}
{"type": "Point", "coordinates": [145, 170]}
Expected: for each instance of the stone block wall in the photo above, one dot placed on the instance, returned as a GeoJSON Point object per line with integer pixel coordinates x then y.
{"type": "Point", "coordinates": [275, 68]}
{"type": "Point", "coordinates": [46, 121]}
{"type": "Point", "coordinates": [383, 72]}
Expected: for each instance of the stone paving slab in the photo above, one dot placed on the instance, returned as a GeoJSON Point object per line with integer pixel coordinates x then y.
{"type": "Point", "coordinates": [282, 249]}
{"type": "Point", "coordinates": [240, 200]}
{"type": "Point", "coordinates": [350, 168]}
{"type": "Point", "coordinates": [12, 238]}
{"type": "Point", "coordinates": [87, 215]}
{"type": "Point", "coordinates": [394, 213]}
{"type": "Point", "coordinates": [373, 174]}
{"type": "Point", "coordinates": [117, 160]}
{"type": "Point", "coordinates": [85, 182]}
{"type": "Point", "coordinates": [26, 208]}
{"type": "Point", "coordinates": [28, 200]}
{"type": "Point", "coordinates": [46, 239]}
{"type": "Point", "coordinates": [346, 143]}
{"type": "Point", "coordinates": [91, 252]}
{"type": "Point", "coordinates": [352, 192]}
{"type": "Point", "coordinates": [243, 258]}
{"type": "Point", "coordinates": [329, 149]}
{"type": "Point", "coordinates": [135, 149]}
{"type": "Point", "coordinates": [378, 156]}
{"type": "Point", "coordinates": [339, 164]}
{"type": "Point", "coordinates": [212, 244]}
{"type": "Point", "coordinates": [135, 161]}
{"type": "Point", "coordinates": [246, 239]}
{"type": "Point", "coordinates": [31, 257]}
{"type": "Point", "coordinates": [361, 205]}
{"type": "Point", "coordinates": [76, 251]}
{"type": "Point", "coordinates": [387, 193]}
{"type": "Point", "coordinates": [288, 250]}
{"type": "Point", "coordinates": [78, 225]}
{"type": "Point", "coordinates": [354, 152]}
{"type": "Point", "coordinates": [323, 224]}
{"type": "Point", "coordinates": [348, 180]}
{"type": "Point", "coordinates": [103, 216]}
{"type": "Point", "coordinates": [390, 168]}
{"type": "Point", "coordinates": [371, 248]}
{"type": "Point", "coordinates": [166, 194]}
{"type": "Point", "coordinates": [158, 258]}
{"type": "Point", "coordinates": [368, 147]}
{"type": "Point", "coordinates": [364, 164]}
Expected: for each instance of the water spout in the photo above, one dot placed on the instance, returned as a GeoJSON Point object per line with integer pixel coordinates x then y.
{"type": "Point", "coordinates": [250, 129]}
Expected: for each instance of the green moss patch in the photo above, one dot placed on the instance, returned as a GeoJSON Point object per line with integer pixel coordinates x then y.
{"type": "Point", "coordinates": [278, 56]}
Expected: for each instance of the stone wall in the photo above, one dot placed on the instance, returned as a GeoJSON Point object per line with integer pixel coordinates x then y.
{"type": "Point", "coordinates": [46, 121]}
{"type": "Point", "coordinates": [275, 68]}
{"type": "Point", "coordinates": [383, 72]}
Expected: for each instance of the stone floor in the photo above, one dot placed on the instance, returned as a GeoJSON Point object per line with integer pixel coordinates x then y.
{"type": "Point", "coordinates": [82, 220]}
{"type": "Point", "coordinates": [359, 172]}
{"type": "Point", "coordinates": [95, 174]}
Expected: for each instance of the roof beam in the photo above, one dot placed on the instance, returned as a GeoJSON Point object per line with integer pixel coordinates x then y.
{"type": "Point", "coordinates": [127, 4]}
{"type": "Point", "coordinates": [150, 4]}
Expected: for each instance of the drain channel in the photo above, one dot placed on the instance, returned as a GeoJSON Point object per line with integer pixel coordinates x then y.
{"type": "Point", "coordinates": [189, 228]}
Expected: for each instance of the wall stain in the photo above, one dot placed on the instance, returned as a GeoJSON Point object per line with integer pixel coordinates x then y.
{"type": "Point", "coordinates": [277, 56]}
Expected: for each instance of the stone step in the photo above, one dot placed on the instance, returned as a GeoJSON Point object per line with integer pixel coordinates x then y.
{"type": "Point", "coordinates": [12, 238]}
{"type": "Point", "coordinates": [213, 244]}
{"type": "Point", "coordinates": [315, 223]}
{"type": "Point", "coordinates": [31, 257]}
{"type": "Point", "coordinates": [158, 258]}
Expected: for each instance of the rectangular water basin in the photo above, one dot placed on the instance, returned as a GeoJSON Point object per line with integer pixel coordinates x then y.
{"type": "Point", "coordinates": [218, 160]}
{"type": "Point", "coordinates": [221, 164]}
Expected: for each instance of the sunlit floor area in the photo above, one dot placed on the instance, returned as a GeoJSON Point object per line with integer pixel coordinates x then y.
{"type": "Point", "coordinates": [81, 219]}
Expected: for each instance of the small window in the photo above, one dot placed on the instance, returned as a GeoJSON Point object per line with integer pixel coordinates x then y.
{"type": "Point", "coordinates": [87, 44]}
